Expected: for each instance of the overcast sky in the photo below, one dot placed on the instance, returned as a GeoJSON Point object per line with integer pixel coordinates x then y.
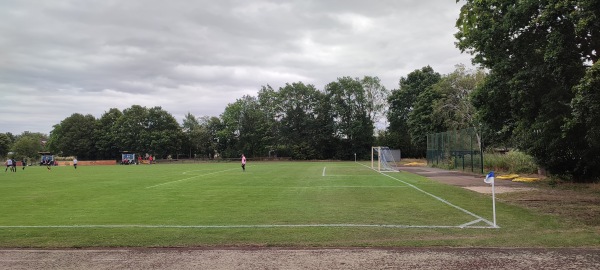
{"type": "Point", "coordinates": [62, 57]}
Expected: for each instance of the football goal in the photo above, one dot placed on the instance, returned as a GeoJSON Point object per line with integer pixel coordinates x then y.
{"type": "Point", "coordinates": [384, 159]}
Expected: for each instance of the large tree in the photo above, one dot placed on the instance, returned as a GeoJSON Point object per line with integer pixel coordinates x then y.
{"type": "Point", "coordinates": [191, 129]}
{"type": "Point", "coordinates": [153, 131]}
{"type": "Point", "coordinates": [244, 125]}
{"type": "Point", "coordinates": [164, 135]}
{"type": "Point", "coordinates": [5, 145]}
{"type": "Point", "coordinates": [353, 126]}
{"type": "Point", "coordinates": [376, 97]}
{"type": "Point", "coordinates": [298, 105]}
{"type": "Point", "coordinates": [408, 130]}
{"type": "Point", "coordinates": [28, 144]}
{"type": "Point", "coordinates": [537, 53]}
{"type": "Point", "coordinates": [455, 108]}
{"type": "Point", "coordinates": [74, 136]}
{"type": "Point", "coordinates": [106, 130]}
{"type": "Point", "coordinates": [584, 122]}
{"type": "Point", "coordinates": [199, 140]}
{"type": "Point", "coordinates": [131, 130]}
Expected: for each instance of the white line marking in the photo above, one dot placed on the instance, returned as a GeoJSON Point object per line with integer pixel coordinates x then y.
{"type": "Point", "coordinates": [186, 172]}
{"type": "Point", "coordinates": [257, 226]}
{"type": "Point", "coordinates": [195, 176]}
{"type": "Point", "coordinates": [470, 223]}
{"type": "Point", "coordinates": [344, 175]}
{"type": "Point", "coordinates": [439, 199]}
{"type": "Point", "coordinates": [324, 170]}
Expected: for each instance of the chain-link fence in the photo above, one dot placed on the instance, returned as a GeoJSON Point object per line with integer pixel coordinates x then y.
{"type": "Point", "coordinates": [458, 149]}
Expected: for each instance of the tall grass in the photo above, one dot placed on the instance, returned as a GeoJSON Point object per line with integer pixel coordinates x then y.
{"type": "Point", "coordinates": [512, 161]}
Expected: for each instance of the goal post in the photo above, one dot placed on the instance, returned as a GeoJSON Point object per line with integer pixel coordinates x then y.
{"type": "Point", "coordinates": [384, 159]}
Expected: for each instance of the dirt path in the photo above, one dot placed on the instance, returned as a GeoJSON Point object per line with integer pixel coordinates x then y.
{"type": "Point", "coordinates": [469, 181]}
{"type": "Point", "coordinates": [398, 258]}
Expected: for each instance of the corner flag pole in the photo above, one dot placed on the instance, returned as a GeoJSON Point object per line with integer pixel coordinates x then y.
{"type": "Point", "coordinates": [490, 179]}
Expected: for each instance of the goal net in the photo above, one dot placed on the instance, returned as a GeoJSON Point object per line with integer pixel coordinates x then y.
{"type": "Point", "coordinates": [384, 159]}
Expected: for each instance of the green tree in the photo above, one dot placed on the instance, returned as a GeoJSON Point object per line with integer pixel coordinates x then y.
{"type": "Point", "coordinates": [207, 136]}
{"type": "Point", "coordinates": [353, 127]}
{"type": "Point", "coordinates": [298, 104]}
{"type": "Point", "coordinates": [163, 134]}
{"type": "Point", "coordinates": [5, 145]}
{"type": "Point", "coordinates": [455, 108]}
{"type": "Point", "coordinates": [106, 135]}
{"type": "Point", "coordinates": [199, 138]}
{"type": "Point", "coordinates": [214, 126]}
{"type": "Point", "coordinates": [131, 130]}
{"type": "Point", "coordinates": [228, 135]}
{"type": "Point", "coordinates": [324, 128]}
{"type": "Point", "coordinates": [268, 100]}
{"type": "Point", "coordinates": [28, 144]}
{"type": "Point", "coordinates": [407, 129]}
{"type": "Point", "coordinates": [537, 53]}
{"type": "Point", "coordinates": [584, 120]}
{"type": "Point", "coordinates": [74, 136]}
{"type": "Point", "coordinates": [191, 129]}
{"type": "Point", "coordinates": [27, 147]}
{"type": "Point", "coordinates": [253, 125]}
{"type": "Point", "coordinates": [376, 96]}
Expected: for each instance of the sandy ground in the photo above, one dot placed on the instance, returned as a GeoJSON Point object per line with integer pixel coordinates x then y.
{"type": "Point", "coordinates": [488, 190]}
{"type": "Point", "coordinates": [400, 258]}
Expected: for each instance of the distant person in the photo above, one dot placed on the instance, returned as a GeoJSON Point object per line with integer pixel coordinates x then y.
{"type": "Point", "coordinates": [14, 165]}
{"type": "Point", "coordinates": [75, 163]}
{"type": "Point", "coordinates": [24, 163]}
{"type": "Point", "coordinates": [8, 165]}
{"type": "Point", "coordinates": [149, 159]}
{"type": "Point", "coordinates": [243, 163]}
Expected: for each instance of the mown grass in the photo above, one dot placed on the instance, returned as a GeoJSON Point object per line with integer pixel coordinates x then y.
{"type": "Point", "coordinates": [299, 204]}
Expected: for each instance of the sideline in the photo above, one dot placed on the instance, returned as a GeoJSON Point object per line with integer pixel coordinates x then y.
{"type": "Point", "coordinates": [258, 226]}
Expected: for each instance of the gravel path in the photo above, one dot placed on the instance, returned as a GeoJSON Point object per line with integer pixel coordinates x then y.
{"type": "Point", "coordinates": [266, 258]}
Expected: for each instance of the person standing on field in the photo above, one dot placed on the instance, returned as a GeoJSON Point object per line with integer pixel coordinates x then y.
{"type": "Point", "coordinates": [75, 163]}
{"type": "Point", "coordinates": [243, 163]}
{"type": "Point", "coordinates": [14, 165]}
{"type": "Point", "coordinates": [24, 163]}
{"type": "Point", "coordinates": [8, 164]}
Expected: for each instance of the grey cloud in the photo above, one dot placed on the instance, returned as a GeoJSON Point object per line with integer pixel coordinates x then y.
{"type": "Point", "coordinates": [61, 57]}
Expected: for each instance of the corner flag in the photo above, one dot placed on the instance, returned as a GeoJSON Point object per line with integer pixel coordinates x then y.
{"type": "Point", "coordinates": [489, 179]}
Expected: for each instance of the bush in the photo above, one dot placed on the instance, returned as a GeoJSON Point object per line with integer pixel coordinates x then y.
{"type": "Point", "coordinates": [513, 162]}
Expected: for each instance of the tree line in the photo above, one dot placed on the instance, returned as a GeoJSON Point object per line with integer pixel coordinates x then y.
{"type": "Point", "coordinates": [537, 90]}
{"type": "Point", "coordinates": [296, 120]}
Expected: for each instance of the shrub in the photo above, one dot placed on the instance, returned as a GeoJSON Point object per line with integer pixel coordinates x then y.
{"type": "Point", "coordinates": [513, 162]}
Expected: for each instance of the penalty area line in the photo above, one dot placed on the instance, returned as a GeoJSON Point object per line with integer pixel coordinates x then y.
{"type": "Point", "coordinates": [442, 200]}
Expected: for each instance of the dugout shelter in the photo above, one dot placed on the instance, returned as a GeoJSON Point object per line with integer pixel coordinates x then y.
{"type": "Point", "coordinates": [47, 158]}
{"type": "Point", "coordinates": [127, 158]}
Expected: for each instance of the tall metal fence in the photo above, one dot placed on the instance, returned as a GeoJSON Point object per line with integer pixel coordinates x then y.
{"type": "Point", "coordinates": [458, 149]}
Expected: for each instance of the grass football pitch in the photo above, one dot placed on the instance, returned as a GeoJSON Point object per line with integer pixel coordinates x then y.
{"type": "Point", "coordinates": [300, 204]}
